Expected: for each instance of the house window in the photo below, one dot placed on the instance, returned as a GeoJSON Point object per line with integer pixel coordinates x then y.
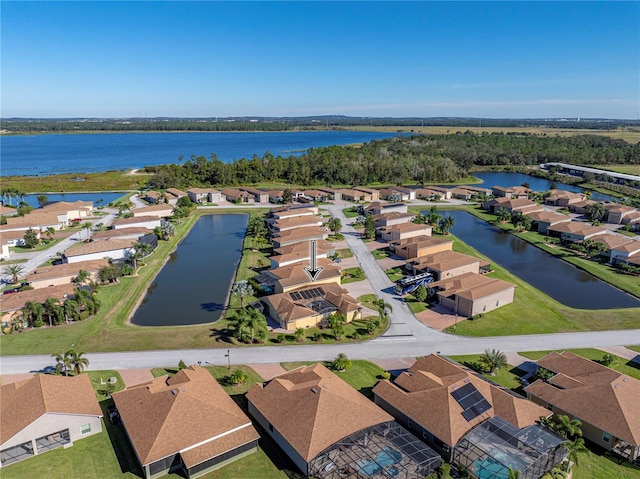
{"type": "Point", "coordinates": [606, 437]}
{"type": "Point", "coordinates": [85, 428]}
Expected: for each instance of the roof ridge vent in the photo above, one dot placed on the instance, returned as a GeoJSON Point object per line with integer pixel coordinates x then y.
{"type": "Point", "coordinates": [314, 390]}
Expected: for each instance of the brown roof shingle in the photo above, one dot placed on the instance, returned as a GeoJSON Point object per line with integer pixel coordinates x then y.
{"type": "Point", "coordinates": [312, 408]}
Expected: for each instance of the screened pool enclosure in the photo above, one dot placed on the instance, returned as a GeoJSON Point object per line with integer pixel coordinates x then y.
{"type": "Point", "coordinates": [381, 451]}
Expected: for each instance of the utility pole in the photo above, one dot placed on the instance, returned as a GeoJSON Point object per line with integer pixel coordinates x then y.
{"type": "Point", "coordinates": [228, 356]}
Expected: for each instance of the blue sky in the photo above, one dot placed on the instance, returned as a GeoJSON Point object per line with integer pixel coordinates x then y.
{"type": "Point", "coordinates": [206, 59]}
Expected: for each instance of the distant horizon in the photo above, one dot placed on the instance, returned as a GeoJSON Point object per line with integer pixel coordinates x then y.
{"type": "Point", "coordinates": [411, 59]}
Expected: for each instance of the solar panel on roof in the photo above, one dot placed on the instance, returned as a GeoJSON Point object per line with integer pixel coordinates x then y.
{"type": "Point", "coordinates": [295, 296]}
{"type": "Point", "coordinates": [471, 401]}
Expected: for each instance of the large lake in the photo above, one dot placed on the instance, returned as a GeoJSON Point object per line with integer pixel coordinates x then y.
{"type": "Point", "coordinates": [193, 286]}
{"type": "Point", "coordinates": [89, 153]}
{"type": "Point", "coordinates": [554, 277]}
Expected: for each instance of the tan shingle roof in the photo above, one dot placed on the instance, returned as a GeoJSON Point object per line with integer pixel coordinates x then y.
{"type": "Point", "coordinates": [596, 394]}
{"type": "Point", "coordinates": [431, 380]}
{"type": "Point", "coordinates": [549, 217]}
{"type": "Point", "coordinates": [295, 274]}
{"type": "Point", "coordinates": [407, 228]}
{"type": "Point", "coordinates": [577, 227]}
{"type": "Point", "coordinates": [15, 301]}
{"type": "Point", "coordinates": [312, 408]}
{"type": "Point", "coordinates": [322, 246]}
{"type": "Point", "coordinates": [303, 232]}
{"type": "Point", "coordinates": [169, 415]}
{"type": "Point", "coordinates": [25, 401]}
{"type": "Point", "coordinates": [611, 240]}
{"type": "Point", "coordinates": [132, 220]}
{"type": "Point", "coordinates": [66, 269]}
{"type": "Point", "coordinates": [630, 247]}
{"type": "Point", "coordinates": [116, 233]}
{"type": "Point", "coordinates": [103, 246]}
{"type": "Point", "coordinates": [446, 260]}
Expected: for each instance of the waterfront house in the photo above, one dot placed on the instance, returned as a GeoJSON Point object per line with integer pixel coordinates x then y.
{"type": "Point", "coordinates": [403, 231]}
{"type": "Point", "coordinates": [610, 241]}
{"type": "Point", "coordinates": [36, 221]}
{"type": "Point", "coordinates": [292, 276]}
{"type": "Point", "coordinates": [186, 424]}
{"type": "Point", "coordinates": [392, 218]}
{"type": "Point", "coordinates": [575, 231]}
{"type": "Point", "coordinates": [580, 207]}
{"type": "Point", "coordinates": [72, 211]}
{"type": "Point", "coordinates": [624, 252]}
{"type": "Point", "coordinates": [329, 430]}
{"type": "Point", "coordinates": [299, 235]}
{"type": "Point", "coordinates": [543, 220]}
{"type": "Point", "coordinates": [462, 193]}
{"type": "Point", "coordinates": [471, 421]}
{"type": "Point", "coordinates": [293, 222]}
{"type": "Point", "coordinates": [419, 246]}
{"type": "Point", "coordinates": [204, 195]}
{"type": "Point", "coordinates": [154, 197]}
{"type": "Point", "coordinates": [605, 401]}
{"type": "Point", "coordinates": [159, 211]}
{"type": "Point", "coordinates": [392, 195]}
{"type": "Point", "coordinates": [563, 198]}
{"type": "Point", "coordinates": [7, 211]}
{"type": "Point", "coordinates": [427, 194]}
{"type": "Point", "coordinates": [470, 294]}
{"type": "Point", "coordinates": [298, 252]}
{"type": "Point", "coordinates": [310, 305]}
{"type": "Point", "coordinates": [445, 264]}
{"type": "Point", "coordinates": [511, 192]}
{"type": "Point", "coordinates": [113, 249]}
{"type": "Point", "coordinates": [148, 222]}
{"type": "Point", "coordinates": [133, 232]}
{"type": "Point", "coordinates": [379, 208]}
{"type": "Point", "coordinates": [65, 273]}
{"type": "Point", "coordinates": [290, 211]}
{"type": "Point", "coordinates": [12, 304]}
{"type": "Point", "coordinates": [512, 205]}
{"type": "Point", "coordinates": [44, 413]}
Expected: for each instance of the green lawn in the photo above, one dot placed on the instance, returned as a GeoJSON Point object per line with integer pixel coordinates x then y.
{"type": "Point", "coordinates": [44, 245]}
{"type": "Point", "coordinates": [351, 212]}
{"type": "Point", "coordinates": [621, 365]}
{"type": "Point", "coordinates": [352, 275]}
{"type": "Point", "coordinates": [594, 464]}
{"type": "Point", "coordinates": [634, 348]}
{"type": "Point", "coordinates": [344, 253]}
{"type": "Point", "coordinates": [380, 253]}
{"type": "Point", "coordinates": [508, 377]}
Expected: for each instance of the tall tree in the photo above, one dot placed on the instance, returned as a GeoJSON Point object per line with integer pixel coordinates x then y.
{"type": "Point", "coordinates": [78, 361]}
{"type": "Point", "coordinates": [242, 289]}
{"type": "Point", "coordinates": [14, 270]}
{"type": "Point", "coordinates": [446, 224]}
{"type": "Point", "coordinates": [256, 322]}
{"type": "Point", "coordinates": [334, 224]}
{"type": "Point", "coordinates": [569, 428]}
{"type": "Point", "coordinates": [31, 239]}
{"type": "Point", "coordinates": [63, 363]}
{"type": "Point", "coordinates": [384, 308]}
{"type": "Point", "coordinates": [42, 200]}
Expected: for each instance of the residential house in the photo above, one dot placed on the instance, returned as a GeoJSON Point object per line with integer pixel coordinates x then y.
{"type": "Point", "coordinates": [315, 195]}
{"type": "Point", "coordinates": [622, 253]}
{"type": "Point", "coordinates": [621, 214]}
{"type": "Point", "coordinates": [375, 194]}
{"type": "Point", "coordinates": [259, 196]}
{"type": "Point", "coordinates": [404, 231]}
{"type": "Point", "coordinates": [286, 278]}
{"type": "Point", "coordinates": [354, 195]}
{"type": "Point", "coordinates": [44, 413]}
{"type": "Point", "coordinates": [379, 208]}
{"type": "Point", "coordinates": [605, 401]}
{"type": "Point", "coordinates": [333, 194]}
{"type": "Point", "coordinates": [13, 238]}
{"type": "Point", "coordinates": [470, 420]}
{"type": "Point", "coordinates": [299, 252]}
{"type": "Point", "coordinates": [512, 205]}
{"type": "Point", "coordinates": [443, 193]}
{"type": "Point", "coordinates": [470, 294]}
{"type": "Point", "coordinates": [65, 273]}
{"type": "Point", "coordinates": [427, 194]}
{"type": "Point", "coordinates": [390, 219]}
{"type": "Point", "coordinates": [114, 249]}
{"type": "Point", "coordinates": [293, 222]}
{"type": "Point", "coordinates": [392, 195]}
{"type": "Point", "coordinates": [462, 193]}
{"type": "Point", "coordinates": [173, 195]}
{"type": "Point", "coordinates": [409, 192]}
{"type": "Point", "coordinates": [154, 197]}
{"type": "Point", "coordinates": [610, 240]}
{"type": "Point", "coordinates": [234, 195]}
{"type": "Point", "coordinates": [477, 190]}
{"type": "Point", "coordinates": [289, 211]}
{"type": "Point", "coordinates": [580, 207]}
{"type": "Point", "coordinates": [419, 246]}
{"type": "Point", "coordinates": [563, 198]}
{"type": "Point", "coordinates": [12, 304]}
{"type": "Point", "coordinates": [298, 235]}
{"type": "Point", "coordinates": [446, 264]}
{"type": "Point", "coordinates": [329, 430]}
{"type": "Point", "coordinates": [148, 222]}
{"type": "Point", "coordinates": [574, 231]}
{"type": "Point", "coordinates": [36, 221]}
{"type": "Point", "coordinates": [311, 305]}
{"type": "Point", "coordinates": [204, 195]}
{"type": "Point", "coordinates": [133, 232]}
{"type": "Point", "coordinates": [159, 211]}
{"type": "Point", "coordinates": [72, 211]}
{"type": "Point", "coordinates": [543, 220]}
{"type": "Point", "coordinates": [186, 424]}
{"type": "Point", "coordinates": [510, 192]}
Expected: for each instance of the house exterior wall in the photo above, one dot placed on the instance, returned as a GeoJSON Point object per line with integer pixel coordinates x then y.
{"type": "Point", "coordinates": [484, 305]}
{"type": "Point", "coordinates": [618, 256]}
{"type": "Point", "coordinates": [45, 283]}
{"type": "Point", "coordinates": [151, 224]}
{"type": "Point", "coordinates": [279, 242]}
{"type": "Point", "coordinates": [391, 221]}
{"type": "Point", "coordinates": [397, 235]}
{"type": "Point", "coordinates": [4, 254]}
{"type": "Point", "coordinates": [279, 439]}
{"type": "Point", "coordinates": [450, 273]}
{"type": "Point", "coordinates": [412, 251]}
{"type": "Point", "coordinates": [51, 423]}
{"type": "Point", "coordinates": [160, 213]}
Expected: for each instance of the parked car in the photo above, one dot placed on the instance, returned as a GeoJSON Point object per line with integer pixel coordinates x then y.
{"type": "Point", "coordinates": [114, 415]}
{"type": "Point", "coordinates": [49, 370]}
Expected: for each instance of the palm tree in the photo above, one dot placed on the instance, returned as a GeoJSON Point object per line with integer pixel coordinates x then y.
{"type": "Point", "coordinates": [78, 361]}
{"type": "Point", "coordinates": [87, 226]}
{"type": "Point", "coordinates": [256, 322]}
{"type": "Point", "coordinates": [493, 360]}
{"type": "Point", "coordinates": [299, 334]}
{"type": "Point", "coordinates": [341, 363]}
{"type": "Point", "coordinates": [556, 473]}
{"type": "Point", "coordinates": [63, 363]}
{"type": "Point", "coordinates": [52, 308]}
{"type": "Point", "coordinates": [503, 215]}
{"type": "Point", "coordinates": [336, 323]}
{"type": "Point", "coordinates": [71, 310]}
{"type": "Point", "coordinates": [240, 322]}
{"type": "Point", "coordinates": [595, 212]}
{"type": "Point", "coordinates": [33, 312]}
{"type": "Point", "coordinates": [50, 232]}
{"type": "Point", "coordinates": [81, 277]}
{"type": "Point", "coordinates": [433, 218]}
{"type": "Point", "coordinates": [446, 224]}
{"type": "Point", "coordinates": [242, 288]}
{"type": "Point", "coordinates": [14, 270]}
{"type": "Point", "coordinates": [384, 308]}
{"type": "Point", "coordinates": [575, 448]}
{"type": "Point", "coordinates": [569, 428]}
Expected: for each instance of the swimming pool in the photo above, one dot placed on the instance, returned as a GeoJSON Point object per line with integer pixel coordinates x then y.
{"type": "Point", "coordinates": [385, 459]}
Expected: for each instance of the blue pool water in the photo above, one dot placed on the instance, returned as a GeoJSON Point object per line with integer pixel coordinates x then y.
{"type": "Point", "coordinates": [384, 459]}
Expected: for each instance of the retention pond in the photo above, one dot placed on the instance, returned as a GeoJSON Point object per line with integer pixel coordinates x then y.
{"type": "Point", "coordinates": [556, 278]}
{"type": "Point", "coordinates": [193, 286]}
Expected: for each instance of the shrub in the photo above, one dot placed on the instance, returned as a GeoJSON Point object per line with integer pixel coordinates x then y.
{"type": "Point", "coordinates": [182, 365]}
{"type": "Point", "coordinates": [341, 363]}
{"type": "Point", "coordinates": [385, 375]}
{"type": "Point", "coordinates": [281, 338]}
{"type": "Point", "coordinates": [317, 337]}
{"type": "Point", "coordinates": [237, 377]}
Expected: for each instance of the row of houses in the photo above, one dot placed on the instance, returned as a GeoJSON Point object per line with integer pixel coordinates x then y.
{"type": "Point", "coordinates": [187, 424]}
